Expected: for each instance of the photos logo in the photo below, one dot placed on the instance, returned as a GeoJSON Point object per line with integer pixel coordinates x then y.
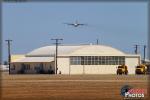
{"type": "Point", "coordinates": [128, 92]}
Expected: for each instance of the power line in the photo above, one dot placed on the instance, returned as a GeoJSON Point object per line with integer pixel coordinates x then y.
{"type": "Point", "coordinates": [9, 52]}
{"type": "Point", "coordinates": [56, 43]}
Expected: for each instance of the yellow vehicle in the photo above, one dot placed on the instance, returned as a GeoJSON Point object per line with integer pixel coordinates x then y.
{"type": "Point", "coordinates": [148, 68]}
{"type": "Point", "coordinates": [122, 69]}
{"type": "Point", "coordinates": [141, 69]}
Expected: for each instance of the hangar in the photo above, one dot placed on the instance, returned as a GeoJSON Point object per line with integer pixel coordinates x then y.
{"type": "Point", "coordinates": [74, 59]}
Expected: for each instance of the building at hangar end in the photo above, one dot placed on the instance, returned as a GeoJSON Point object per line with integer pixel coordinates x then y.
{"type": "Point", "coordinates": [74, 59]}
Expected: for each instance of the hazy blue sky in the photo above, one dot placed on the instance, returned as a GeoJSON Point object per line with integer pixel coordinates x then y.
{"type": "Point", "coordinates": [32, 25]}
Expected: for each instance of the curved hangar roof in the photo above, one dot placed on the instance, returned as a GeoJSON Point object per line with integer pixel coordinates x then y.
{"type": "Point", "coordinates": [80, 50]}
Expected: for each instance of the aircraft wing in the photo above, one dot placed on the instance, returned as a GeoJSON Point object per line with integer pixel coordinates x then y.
{"type": "Point", "coordinates": [82, 24]}
{"type": "Point", "coordinates": [69, 23]}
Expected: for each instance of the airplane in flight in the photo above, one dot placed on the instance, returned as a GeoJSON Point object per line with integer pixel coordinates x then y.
{"type": "Point", "coordinates": [75, 24]}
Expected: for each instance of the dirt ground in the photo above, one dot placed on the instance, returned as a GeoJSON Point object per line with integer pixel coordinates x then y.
{"type": "Point", "coordinates": [65, 87]}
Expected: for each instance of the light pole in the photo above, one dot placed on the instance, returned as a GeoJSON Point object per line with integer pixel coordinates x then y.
{"type": "Point", "coordinates": [56, 43]}
{"type": "Point", "coordinates": [9, 53]}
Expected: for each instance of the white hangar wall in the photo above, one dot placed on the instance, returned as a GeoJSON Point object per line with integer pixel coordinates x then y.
{"type": "Point", "coordinates": [63, 65]}
{"type": "Point", "coordinates": [93, 69]}
{"type": "Point", "coordinates": [66, 68]}
{"type": "Point", "coordinates": [131, 62]}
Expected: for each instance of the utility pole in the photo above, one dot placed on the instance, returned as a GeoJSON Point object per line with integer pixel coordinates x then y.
{"type": "Point", "coordinates": [144, 52]}
{"type": "Point", "coordinates": [136, 49]}
{"type": "Point", "coordinates": [97, 41]}
{"type": "Point", "coordinates": [56, 43]}
{"type": "Point", "coordinates": [9, 53]}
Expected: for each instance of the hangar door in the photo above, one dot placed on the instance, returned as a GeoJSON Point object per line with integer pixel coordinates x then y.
{"type": "Point", "coordinates": [131, 63]}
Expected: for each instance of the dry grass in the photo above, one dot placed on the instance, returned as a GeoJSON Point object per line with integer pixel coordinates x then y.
{"type": "Point", "coordinates": [65, 87]}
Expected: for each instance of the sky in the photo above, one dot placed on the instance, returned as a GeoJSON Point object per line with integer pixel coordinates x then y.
{"type": "Point", "coordinates": [32, 25]}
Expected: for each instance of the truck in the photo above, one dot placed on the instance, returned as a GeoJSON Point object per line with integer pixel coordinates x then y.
{"type": "Point", "coordinates": [122, 69]}
{"type": "Point", "coordinates": [141, 69]}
